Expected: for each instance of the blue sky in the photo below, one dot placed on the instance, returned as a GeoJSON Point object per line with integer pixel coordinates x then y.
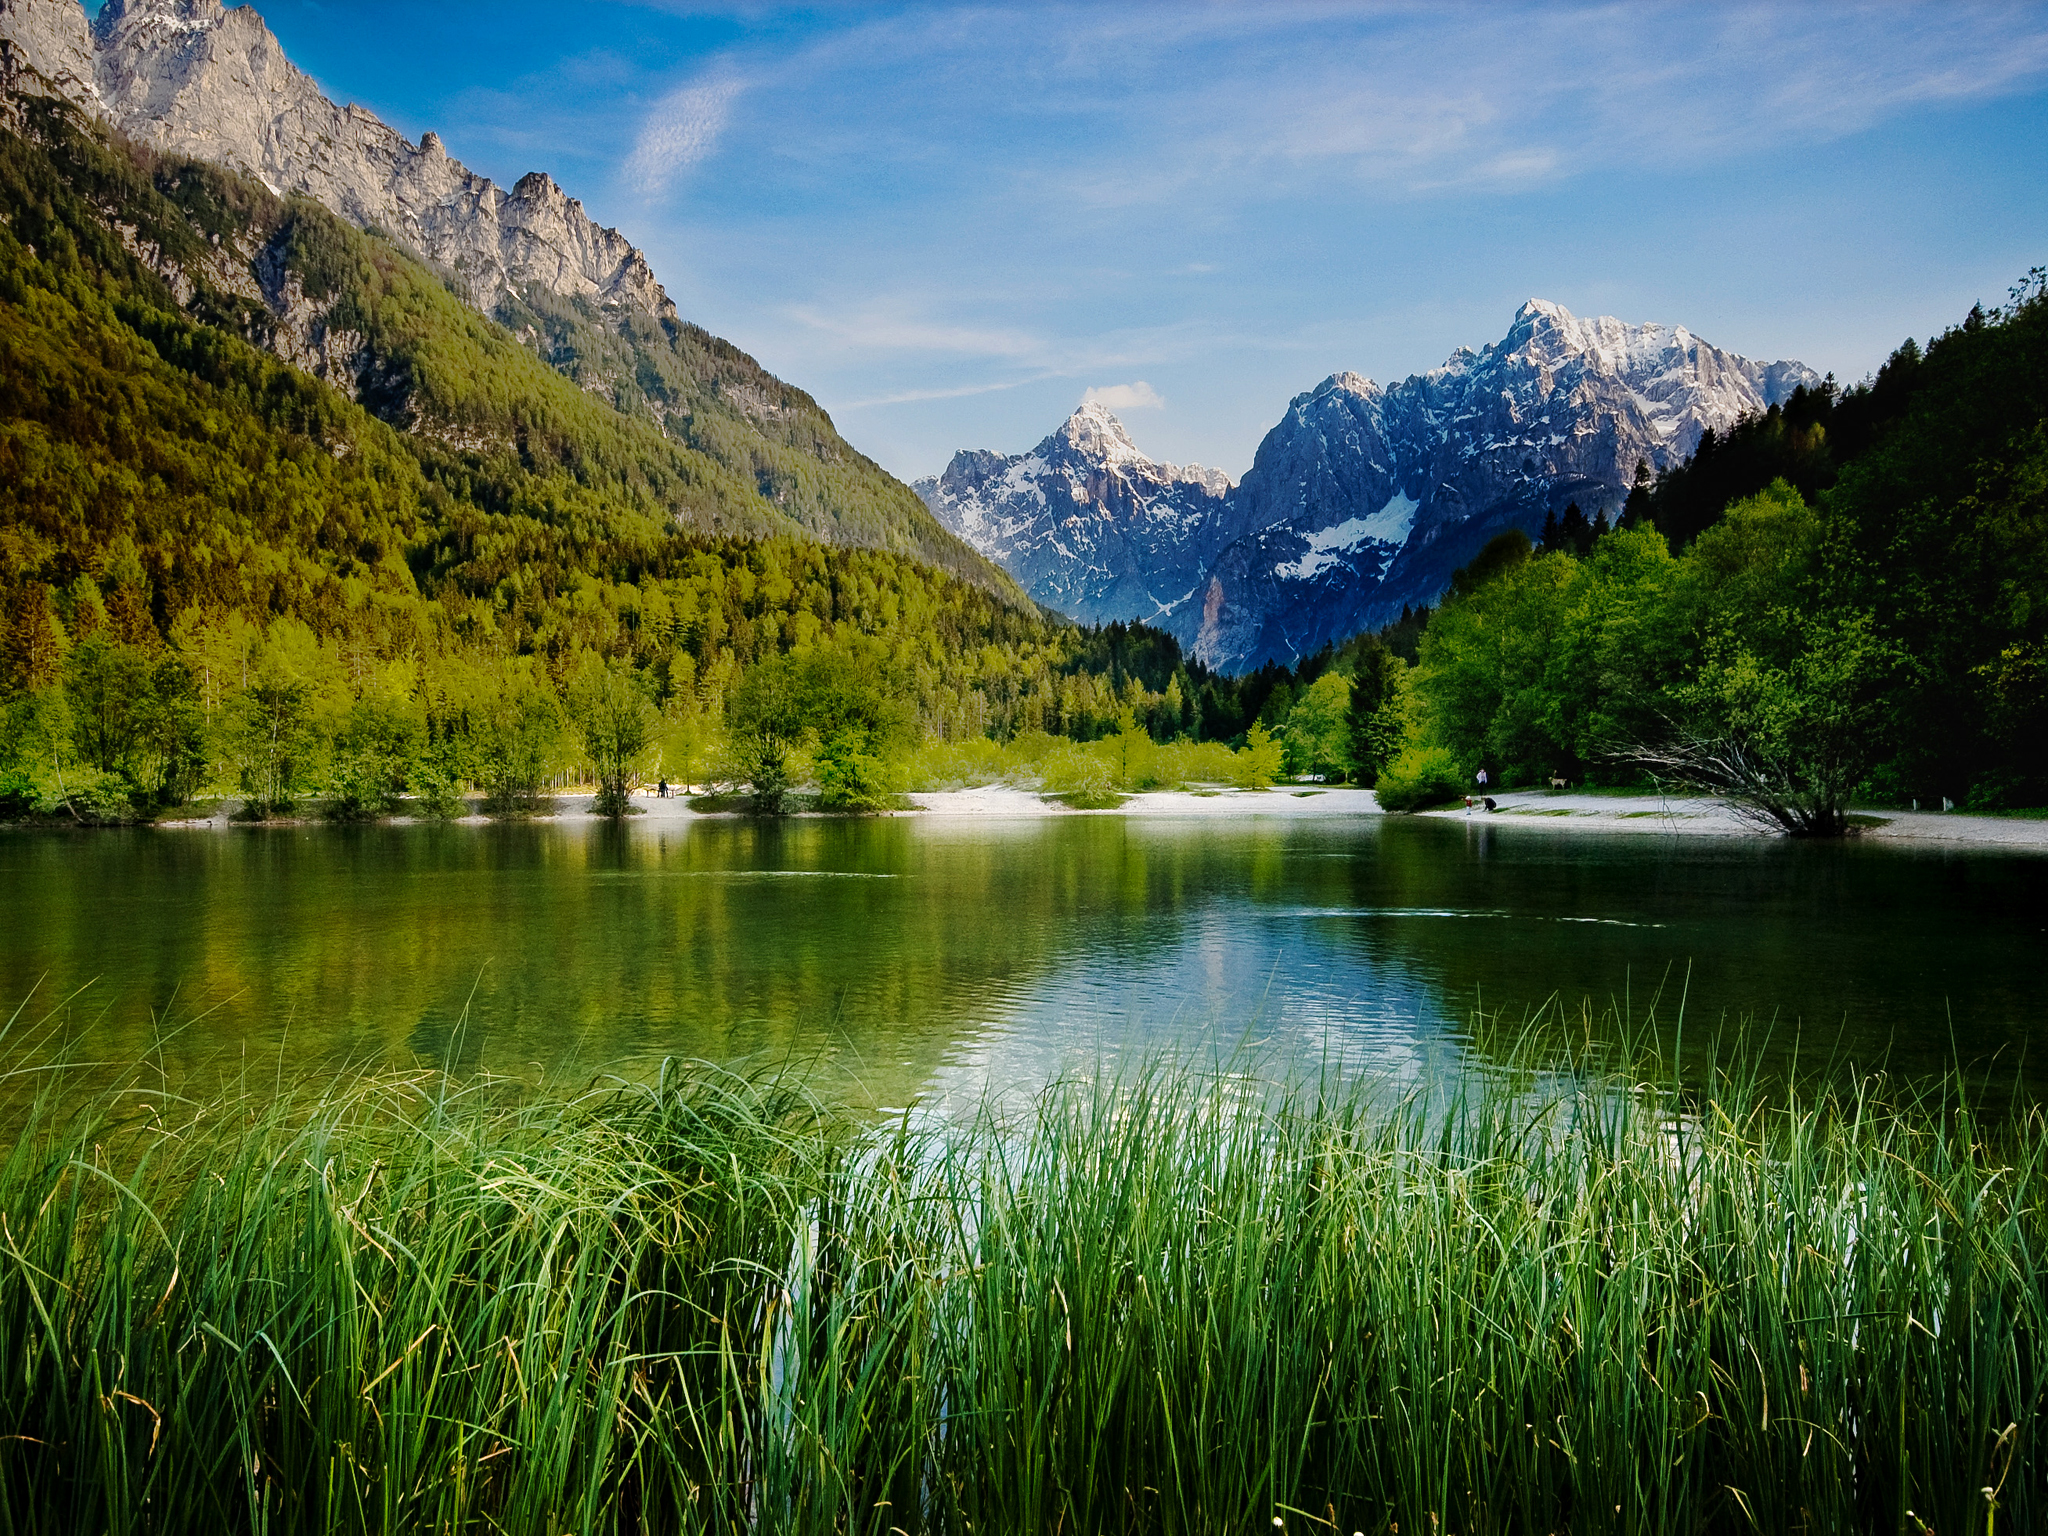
{"type": "Point", "coordinates": [949, 223]}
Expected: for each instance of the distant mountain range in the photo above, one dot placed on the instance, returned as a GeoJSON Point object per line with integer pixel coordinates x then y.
{"type": "Point", "coordinates": [191, 79]}
{"type": "Point", "coordinates": [1364, 498]}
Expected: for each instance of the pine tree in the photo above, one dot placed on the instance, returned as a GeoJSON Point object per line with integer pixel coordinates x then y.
{"type": "Point", "coordinates": [28, 645]}
{"type": "Point", "coordinates": [128, 617]}
{"type": "Point", "coordinates": [1636, 510]}
{"type": "Point", "coordinates": [1574, 533]}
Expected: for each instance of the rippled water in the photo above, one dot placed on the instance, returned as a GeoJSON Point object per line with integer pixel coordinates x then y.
{"type": "Point", "coordinates": [903, 958]}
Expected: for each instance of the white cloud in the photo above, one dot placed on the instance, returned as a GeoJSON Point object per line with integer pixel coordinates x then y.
{"type": "Point", "coordinates": [682, 129]}
{"type": "Point", "coordinates": [1126, 397]}
{"type": "Point", "coordinates": [1502, 98]}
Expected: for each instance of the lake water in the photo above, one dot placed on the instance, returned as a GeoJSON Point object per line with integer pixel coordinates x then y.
{"type": "Point", "coordinates": [908, 958]}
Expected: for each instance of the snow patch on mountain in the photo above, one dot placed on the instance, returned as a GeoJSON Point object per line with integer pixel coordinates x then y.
{"type": "Point", "coordinates": [1389, 525]}
{"type": "Point", "coordinates": [1561, 409]}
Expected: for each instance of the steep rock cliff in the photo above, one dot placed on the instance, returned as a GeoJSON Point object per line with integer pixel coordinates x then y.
{"type": "Point", "coordinates": [191, 78]}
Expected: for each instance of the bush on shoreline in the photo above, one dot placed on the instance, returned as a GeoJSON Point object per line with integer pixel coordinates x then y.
{"type": "Point", "coordinates": [1173, 1302]}
{"type": "Point", "coordinates": [1419, 778]}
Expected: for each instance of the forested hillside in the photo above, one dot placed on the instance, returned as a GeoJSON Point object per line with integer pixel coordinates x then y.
{"type": "Point", "coordinates": [220, 568]}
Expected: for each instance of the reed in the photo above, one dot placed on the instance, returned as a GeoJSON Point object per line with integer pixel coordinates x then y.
{"type": "Point", "coordinates": [1171, 1300]}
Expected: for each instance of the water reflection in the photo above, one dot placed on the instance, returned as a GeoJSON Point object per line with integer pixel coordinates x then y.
{"type": "Point", "coordinates": [895, 959]}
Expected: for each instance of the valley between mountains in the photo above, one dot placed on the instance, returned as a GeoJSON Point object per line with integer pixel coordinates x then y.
{"type": "Point", "coordinates": [334, 472]}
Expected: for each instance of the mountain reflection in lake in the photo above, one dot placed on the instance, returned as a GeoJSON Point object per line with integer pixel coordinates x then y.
{"type": "Point", "coordinates": [904, 958]}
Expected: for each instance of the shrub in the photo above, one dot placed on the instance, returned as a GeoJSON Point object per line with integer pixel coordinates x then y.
{"type": "Point", "coordinates": [954, 764]}
{"type": "Point", "coordinates": [1260, 761]}
{"type": "Point", "coordinates": [849, 778]}
{"type": "Point", "coordinates": [1181, 763]}
{"type": "Point", "coordinates": [1082, 778]}
{"type": "Point", "coordinates": [1418, 778]}
{"type": "Point", "coordinates": [373, 757]}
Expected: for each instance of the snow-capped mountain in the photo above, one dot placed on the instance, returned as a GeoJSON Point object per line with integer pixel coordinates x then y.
{"type": "Point", "coordinates": [1365, 498]}
{"type": "Point", "coordinates": [1086, 522]}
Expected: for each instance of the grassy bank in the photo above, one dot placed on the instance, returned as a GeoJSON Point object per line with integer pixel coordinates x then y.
{"type": "Point", "coordinates": [1542, 1304]}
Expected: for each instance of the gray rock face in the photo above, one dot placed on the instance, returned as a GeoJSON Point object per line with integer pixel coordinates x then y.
{"type": "Point", "coordinates": [1084, 521]}
{"type": "Point", "coordinates": [1364, 499]}
{"type": "Point", "coordinates": [190, 77]}
{"type": "Point", "coordinates": [53, 39]}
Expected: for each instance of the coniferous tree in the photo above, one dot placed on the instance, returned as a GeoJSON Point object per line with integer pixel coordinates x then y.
{"type": "Point", "coordinates": [1378, 721]}
{"type": "Point", "coordinates": [28, 647]}
{"type": "Point", "coordinates": [1574, 533]}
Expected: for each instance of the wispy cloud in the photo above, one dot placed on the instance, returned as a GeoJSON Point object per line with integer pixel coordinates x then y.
{"type": "Point", "coordinates": [1139, 396]}
{"type": "Point", "coordinates": [961, 392]}
{"type": "Point", "coordinates": [1501, 98]}
{"type": "Point", "coordinates": [682, 129]}
{"type": "Point", "coordinates": [891, 327]}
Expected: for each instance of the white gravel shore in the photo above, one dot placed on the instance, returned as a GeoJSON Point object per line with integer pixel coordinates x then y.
{"type": "Point", "coordinates": [1552, 811]}
{"type": "Point", "coordinates": [1549, 810]}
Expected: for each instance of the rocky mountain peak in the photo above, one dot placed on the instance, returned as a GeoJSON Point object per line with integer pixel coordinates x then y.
{"type": "Point", "coordinates": [1095, 434]}
{"type": "Point", "coordinates": [1344, 382]}
{"type": "Point", "coordinates": [191, 77]}
{"type": "Point", "coordinates": [116, 15]}
{"type": "Point", "coordinates": [1085, 520]}
{"type": "Point", "coordinates": [1363, 498]}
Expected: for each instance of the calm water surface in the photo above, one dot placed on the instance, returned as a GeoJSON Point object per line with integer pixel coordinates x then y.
{"type": "Point", "coordinates": [899, 958]}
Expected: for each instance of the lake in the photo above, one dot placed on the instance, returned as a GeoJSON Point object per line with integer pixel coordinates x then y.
{"type": "Point", "coordinates": [918, 958]}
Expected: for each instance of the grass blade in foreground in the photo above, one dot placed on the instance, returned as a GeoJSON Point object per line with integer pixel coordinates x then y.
{"type": "Point", "coordinates": [1538, 1304]}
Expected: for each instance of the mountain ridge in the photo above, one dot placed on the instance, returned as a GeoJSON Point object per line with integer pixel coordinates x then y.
{"type": "Point", "coordinates": [202, 80]}
{"type": "Point", "coordinates": [1365, 497]}
{"type": "Point", "coordinates": [193, 79]}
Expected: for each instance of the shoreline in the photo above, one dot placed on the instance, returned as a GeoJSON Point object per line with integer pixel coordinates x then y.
{"type": "Point", "coordinates": [1556, 811]}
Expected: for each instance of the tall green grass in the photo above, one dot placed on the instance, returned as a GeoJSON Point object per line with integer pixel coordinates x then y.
{"type": "Point", "coordinates": [1172, 1301]}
